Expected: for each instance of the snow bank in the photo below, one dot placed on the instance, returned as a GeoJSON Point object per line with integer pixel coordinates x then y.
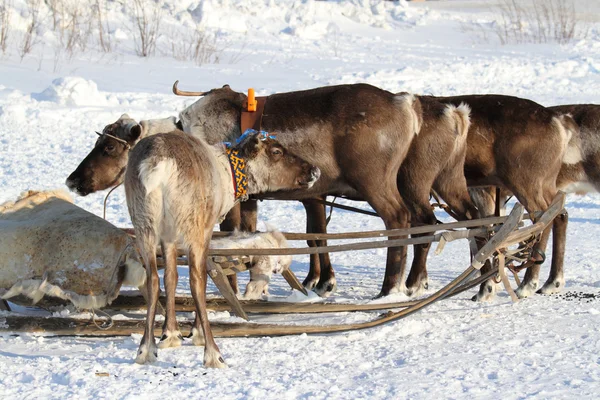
{"type": "Point", "coordinates": [308, 19]}
{"type": "Point", "coordinates": [73, 91]}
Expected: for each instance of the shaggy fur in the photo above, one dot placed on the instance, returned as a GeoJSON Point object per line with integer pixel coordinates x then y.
{"type": "Point", "coordinates": [49, 246]}
{"type": "Point", "coordinates": [261, 267]}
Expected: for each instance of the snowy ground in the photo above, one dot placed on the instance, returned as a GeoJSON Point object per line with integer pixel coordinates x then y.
{"type": "Point", "coordinates": [542, 347]}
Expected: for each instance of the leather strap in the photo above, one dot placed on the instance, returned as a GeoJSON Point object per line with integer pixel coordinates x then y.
{"type": "Point", "coordinates": [253, 119]}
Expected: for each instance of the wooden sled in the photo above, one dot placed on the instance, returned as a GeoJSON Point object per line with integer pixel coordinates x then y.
{"type": "Point", "coordinates": [503, 233]}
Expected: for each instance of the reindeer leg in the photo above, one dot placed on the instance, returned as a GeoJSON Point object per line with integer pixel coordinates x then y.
{"type": "Point", "coordinates": [248, 216]}
{"type": "Point", "coordinates": [147, 351]}
{"type": "Point", "coordinates": [260, 276]}
{"type": "Point", "coordinates": [315, 212]}
{"type": "Point", "coordinates": [530, 282]}
{"type": "Point", "coordinates": [171, 336]}
{"type": "Point", "coordinates": [556, 280]}
{"type": "Point", "coordinates": [417, 280]}
{"type": "Point", "coordinates": [312, 209]}
{"type": "Point", "coordinates": [462, 204]}
{"type": "Point", "coordinates": [389, 206]}
{"type": "Point", "coordinates": [198, 277]}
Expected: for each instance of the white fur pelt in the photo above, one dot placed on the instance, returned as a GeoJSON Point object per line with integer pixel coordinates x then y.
{"type": "Point", "coordinates": [49, 246]}
{"type": "Point", "coordinates": [262, 267]}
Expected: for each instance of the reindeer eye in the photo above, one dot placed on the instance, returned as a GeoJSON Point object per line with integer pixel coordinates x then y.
{"type": "Point", "coordinates": [110, 147]}
{"type": "Point", "coordinates": [276, 152]}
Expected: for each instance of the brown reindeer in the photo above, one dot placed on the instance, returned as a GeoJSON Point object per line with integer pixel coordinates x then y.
{"type": "Point", "coordinates": [580, 169]}
{"type": "Point", "coordinates": [520, 146]}
{"type": "Point", "coordinates": [435, 160]}
{"type": "Point", "coordinates": [177, 187]}
{"type": "Point", "coordinates": [358, 135]}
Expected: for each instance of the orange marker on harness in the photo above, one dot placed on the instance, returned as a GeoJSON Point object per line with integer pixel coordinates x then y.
{"type": "Point", "coordinates": [252, 103]}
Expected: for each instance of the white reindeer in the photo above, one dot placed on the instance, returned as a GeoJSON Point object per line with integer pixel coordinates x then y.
{"type": "Point", "coordinates": [177, 187]}
{"type": "Point", "coordinates": [262, 267]}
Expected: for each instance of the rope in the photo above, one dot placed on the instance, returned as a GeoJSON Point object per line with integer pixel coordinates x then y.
{"type": "Point", "coordinates": [348, 208]}
{"type": "Point", "coordinates": [438, 203]}
{"type": "Point", "coordinates": [107, 324]}
{"type": "Point", "coordinates": [330, 211]}
{"type": "Point", "coordinates": [123, 142]}
{"type": "Point", "coordinates": [106, 200]}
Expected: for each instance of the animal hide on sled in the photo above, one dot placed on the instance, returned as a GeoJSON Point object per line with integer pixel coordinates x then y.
{"type": "Point", "coordinates": [49, 246]}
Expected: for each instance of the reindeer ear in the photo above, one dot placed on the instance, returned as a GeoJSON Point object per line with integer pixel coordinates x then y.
{"type": "Point", "coordinates": [134, 133]}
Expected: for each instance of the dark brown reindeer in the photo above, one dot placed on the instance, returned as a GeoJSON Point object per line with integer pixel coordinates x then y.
{"type": "Point", "coordinates": [358, 135]}
{"type": "Point", "coordinates": [177, 186]}
{"type": "Point", "coordinates": [435, 160]}
{"type": "Point", "coordinates": [520, 146]}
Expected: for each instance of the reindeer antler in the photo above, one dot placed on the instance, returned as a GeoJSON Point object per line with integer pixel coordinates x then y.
{"type": "Point", "coordinates": [184, 93]}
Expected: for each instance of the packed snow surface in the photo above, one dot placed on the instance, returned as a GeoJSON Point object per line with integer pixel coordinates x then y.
{"type": "Point", "coordinates": [51, 104]}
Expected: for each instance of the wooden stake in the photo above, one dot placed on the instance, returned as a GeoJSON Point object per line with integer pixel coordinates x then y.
{"type": "Point", "coordinates": [220, 279]}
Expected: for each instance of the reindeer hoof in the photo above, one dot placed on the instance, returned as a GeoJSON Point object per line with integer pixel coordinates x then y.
{"type": "Point", "coordinates": [551, 287]}
{"type": "Point", "coordinates": [170, 339]}
{"type": "Point", "coordinates": [386, 291]}
{"type": "Point", "coordinates": [487, 293]}
{"type": "Point", "coordinates": [197, 337]}
{"type": "Point", "coordinates": [146, 356]}
{"type": "Point", "coordinates": [214, 359]}
{"type": "Point", "coordinates": [326, 289]}
{"type": "Point", "coordinates": [526, 289]}
{"type": "Point", "coordinates": [310, 284]}
{"type": "Point", "coordinates": [418, 289]}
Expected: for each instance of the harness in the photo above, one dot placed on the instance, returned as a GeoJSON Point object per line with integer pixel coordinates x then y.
{"type": "Point", "coordinates": [238, 164]}
{"type": "Point", "coordinates": [123, 142]}
{"type": "Point", "coordinates": [238, 172]}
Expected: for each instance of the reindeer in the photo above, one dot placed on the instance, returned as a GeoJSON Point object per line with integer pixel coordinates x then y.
{"type": "Point", "coordinates": [261, 267]}
{"type": "Point", "coordinates": [520, 146]}
{"type": "Point", "coordinates": [104, 167]}
{"type": "Point", "coordinates": [580, 169]}
{"type": "Point", "coordinates": [177, 186]}
{"type": "Point", "coordinates": [358, 135]}
{"type": "Point", "coordinates": [434, 161]}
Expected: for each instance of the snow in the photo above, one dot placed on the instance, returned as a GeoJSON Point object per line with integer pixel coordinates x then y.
{"type": "Point", "coordinates": [72, 91]}
{"type": "Point", "coordinates": [542, 347]}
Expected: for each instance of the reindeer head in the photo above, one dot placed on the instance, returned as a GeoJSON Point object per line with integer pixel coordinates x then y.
{"type": "Point", "coordinates": [270, 167]}
{"type": "Point", "coordinates": [104, 166]}
{"type": "Point", "coordinates": [215, 117]}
